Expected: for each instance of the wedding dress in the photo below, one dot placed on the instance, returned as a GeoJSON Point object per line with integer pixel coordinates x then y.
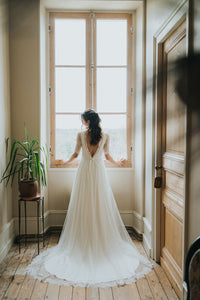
{"type": "Point", "coordinates": [94, 249]}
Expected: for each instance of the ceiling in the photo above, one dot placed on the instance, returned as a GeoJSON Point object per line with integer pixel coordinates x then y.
{"type": "Point", "coordinates": [90, 5]}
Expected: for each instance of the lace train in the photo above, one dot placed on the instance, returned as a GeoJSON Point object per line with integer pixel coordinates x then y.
{"type": "Point", "coordinates": [38, 271]}
{"type": "Point", "coordinates": [94, 248]}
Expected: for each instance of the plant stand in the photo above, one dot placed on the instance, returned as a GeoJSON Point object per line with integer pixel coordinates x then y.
{"type": "Point", "coordinates": [37, 199]}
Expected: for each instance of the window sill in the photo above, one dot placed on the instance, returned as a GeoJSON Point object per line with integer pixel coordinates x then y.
{"type": "Point", "coordinates": [108, 165]}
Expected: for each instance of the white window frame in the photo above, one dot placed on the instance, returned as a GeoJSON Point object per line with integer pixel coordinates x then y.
{"type": "Point", "coordinates": [90, 75]}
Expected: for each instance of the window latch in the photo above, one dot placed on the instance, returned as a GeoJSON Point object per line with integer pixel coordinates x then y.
{"type": "Point", "coordinates": [132, 30]}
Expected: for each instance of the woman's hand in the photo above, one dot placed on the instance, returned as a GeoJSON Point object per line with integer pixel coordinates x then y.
{"type": "Point", "coordinates": [118, 163]}
{"type": "Point", "coordinates": [66, 162]}
{"type": "Point", "coordinates": [60, 161]}
{"type": "Point", "coordinates": [121, 162]}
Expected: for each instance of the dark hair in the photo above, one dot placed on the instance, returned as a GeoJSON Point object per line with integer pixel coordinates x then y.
{"type": "Point", "coordinates": [94, 130]}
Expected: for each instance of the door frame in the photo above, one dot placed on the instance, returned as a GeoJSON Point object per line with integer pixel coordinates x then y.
{"type": "Point", "coordinates": [180, 14]}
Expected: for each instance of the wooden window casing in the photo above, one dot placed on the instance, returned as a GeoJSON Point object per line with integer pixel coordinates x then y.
{"type": "Point", "coordinates": [91, 68]}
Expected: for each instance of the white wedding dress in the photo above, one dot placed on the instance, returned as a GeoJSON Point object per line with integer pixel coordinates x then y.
{"type": "Point", "coordinates": [94, 248]}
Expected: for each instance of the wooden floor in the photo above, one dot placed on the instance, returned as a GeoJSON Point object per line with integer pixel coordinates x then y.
{"type": "Point", "coordinates": [16, 284]}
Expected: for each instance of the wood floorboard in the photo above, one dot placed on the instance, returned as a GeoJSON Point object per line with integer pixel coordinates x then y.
{"type": "Point", "coordinates": [165, 283]}
{"type": "Point", "coordinates": [65, 293]}
{"type": "Point", "coordinates": [8, 275]}
{"type": "Point", "coordinates": [20, 273]}
{"type": "Point", "coordinates": [106, 293]}
{"type": "Point", "coordinates": [155, 286]}
{"type": "Point", "coordinates": [7, 259]}
{"type": "Point", "coordinates": [92, 294]}
{"type": "Point", "coordinates": [78, 293]}
{"type": "Point", "coordinates": [144, 289]}
{"type": "Point", "coordinates": [16, 284]}
{"type": "Point", "coordinates": [128, 292]}
{"type": "Point", "coordinates": [52, 292]}
{"type": "Point", "coordinates": [29, 282]}
{"type": "Point", "coordinates": [40, 288]}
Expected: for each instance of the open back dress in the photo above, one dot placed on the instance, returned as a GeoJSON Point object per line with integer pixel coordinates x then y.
{"type": "Point", "coordinates": [94, 249]}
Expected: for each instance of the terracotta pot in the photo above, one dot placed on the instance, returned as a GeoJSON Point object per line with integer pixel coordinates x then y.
{"type": "Point", "coordinates": [28, 188]}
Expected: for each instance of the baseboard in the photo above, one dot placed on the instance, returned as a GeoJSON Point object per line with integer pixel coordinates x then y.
{"type": "Point", "coordinates": [7, 236]}
{"type": "Point", "coordinates": [54, 220]}
{"type": "Point", "coordinates": [32, 224]}
{"type": "Point", "coordinates": [57, 229]}
{"type": "Point", "coordinates": [131, 220]}
{"type": "Point", "coordinates": [147, 239]}
{"type": "Point", "coordinates": [133, 233]}
{"type": "Point", "coordinates": [138, 223]}
{"type": "Point", "coordinates": [57, 217]}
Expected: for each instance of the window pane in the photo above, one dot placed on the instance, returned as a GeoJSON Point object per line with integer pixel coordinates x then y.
{"type": "Point", "coordinates": [111, 42]}
{"type": "Point", "coordinates": [70, 36]}
{"type": "Point", "coordinates": [115, 126]}
{"type": "Point", "coordinates": [67, 127]}
{"type": "Point", "coordinates": [111, 89]}
{"type": "Point", "coordinates": [70, 90]}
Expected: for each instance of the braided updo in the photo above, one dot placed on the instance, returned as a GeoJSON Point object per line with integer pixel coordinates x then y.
{"type": "Point", "coordinates": [94, 130]}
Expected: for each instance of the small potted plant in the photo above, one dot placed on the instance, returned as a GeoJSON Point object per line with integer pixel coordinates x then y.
{"type": "Point", "coordinates": [25, 163]}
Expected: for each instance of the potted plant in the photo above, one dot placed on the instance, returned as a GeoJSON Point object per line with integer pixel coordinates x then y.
{"type": "Point", "coordinates": [25, 163]}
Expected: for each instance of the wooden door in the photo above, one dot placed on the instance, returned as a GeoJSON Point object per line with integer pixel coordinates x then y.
{"type": "Point", "coordinates": [173, 162]}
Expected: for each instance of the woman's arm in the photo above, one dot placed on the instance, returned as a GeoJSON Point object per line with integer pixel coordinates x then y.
{"type": "Point", "coordinates": [109, 157]}
{"type": "Point", "coordinates": [65, 162]}
{"type": "Point", "coordinates": [74, 155]}
{"type": "Point", "coordinates": [119, 163]}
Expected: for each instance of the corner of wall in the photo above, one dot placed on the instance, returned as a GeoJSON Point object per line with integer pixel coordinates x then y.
{"type": "Point", "coordinates": [6, 222]}
{"type": "Point", "coordinates": [7, 236]}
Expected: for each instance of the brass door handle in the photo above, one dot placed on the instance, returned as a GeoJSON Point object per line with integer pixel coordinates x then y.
{"type": "Point", "coordinates": [158, 168]}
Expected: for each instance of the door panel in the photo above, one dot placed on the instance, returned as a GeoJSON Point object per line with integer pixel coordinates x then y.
{"type": "Point", "coordinates": [173, 162]}
{"type": "Point", "coordinates": [173, 233]}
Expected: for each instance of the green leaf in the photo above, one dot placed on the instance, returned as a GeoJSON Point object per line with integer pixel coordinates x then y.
{"type": "Point", "coordinates": [35, 142]}
{"type": "Point", "coordinates": [12, 164]}
{"type": "Point", "coordinates": [37, 165]}
{"type": "Point", "coordinates": [37, 149]}
{"type": "Point", "coordinates": [44, 182]}
{"type": "Point", "coordinates": [18, 176]}
{"type": "Point", "coordinates": [11, 157]}
{"type": "Point", "coordinates": [24, 159]}
{"type": "Point", "coordinates": [31, 172]}
{"type": "Point", "coordinates": [7, 144]}
{"type": "Point", "coordinates": [14, 173]}
{"type": "Point", "coordinates": [7, 176]}
{"type": "Point", "coordinates": [32, 144]}
{"type": "Point", "coordinates": [22, 169]}
{"type": "Point", "coordinates": [27, 138]}
{"type": "Point", "coordinates": [28, 159]}
{"type": "Point", "coordinates": [22, 146]}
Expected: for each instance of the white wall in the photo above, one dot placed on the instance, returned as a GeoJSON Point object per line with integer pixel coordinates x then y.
{"type": "Point", "coordinates": [30, 104]}
{"type": "Point", "coordinates": [24, 75]}
{"type": "Point", "coordinates": [6, 223]}
{"type": "Point", "coordinates": [139, 109]}
{"type": "Point", "coordinates": [123, 182]}
{"type": "Point", "coordinates": [44, 98]}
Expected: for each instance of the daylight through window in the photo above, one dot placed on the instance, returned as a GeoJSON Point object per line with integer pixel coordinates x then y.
{"type": "Point", "coordinates": [90, 67]}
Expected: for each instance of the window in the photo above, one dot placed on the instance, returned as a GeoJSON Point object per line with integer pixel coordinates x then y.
{"type": "Point", "coordinates": [90, 67]}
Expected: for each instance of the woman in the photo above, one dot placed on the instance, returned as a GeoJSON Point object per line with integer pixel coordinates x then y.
{"type": "Point", "coordinates": [94, 248]}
